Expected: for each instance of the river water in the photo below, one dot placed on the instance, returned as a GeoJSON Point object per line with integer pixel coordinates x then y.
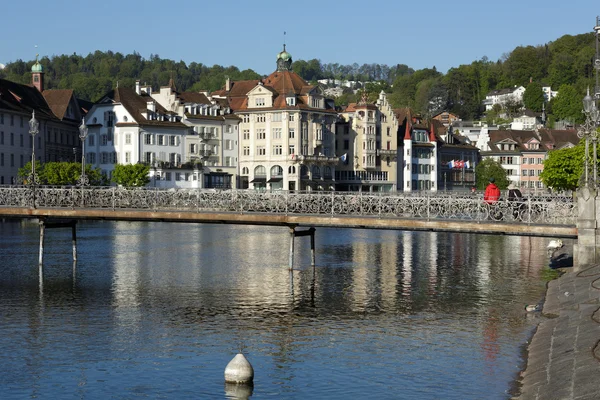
{"type": "Point", "coordinates": [157, 310]}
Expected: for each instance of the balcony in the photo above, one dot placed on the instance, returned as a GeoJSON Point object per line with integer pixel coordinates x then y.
{"type": "Point", "coordinates": [205, 153]}
{"type": "Point", "coordinates": [314, 159]}
{"type": "Point", "coordinates": [387, 152]}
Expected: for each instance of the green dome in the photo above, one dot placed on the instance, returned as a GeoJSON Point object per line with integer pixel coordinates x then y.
{"type": "Point", "coordinates": [37, 67]}
{"type": "Point", "coordinates": [284, 55]}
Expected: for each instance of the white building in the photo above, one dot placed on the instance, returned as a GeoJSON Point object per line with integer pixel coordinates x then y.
{"type": "Point", "coordinates": [128, 126]}
{"type": "Point", "coordinates": [501, 96]}
{"type": "Point", "coordinates": [212, 144]}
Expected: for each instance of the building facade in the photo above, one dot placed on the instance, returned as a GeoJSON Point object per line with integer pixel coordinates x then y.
{"type": "Point", "coordinates": [286, 131]}
{"type": "Point", "coordinates": [59, 115]}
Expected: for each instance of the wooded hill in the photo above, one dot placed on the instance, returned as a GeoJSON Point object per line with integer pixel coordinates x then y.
{"type": "Point", "coordinates": [565, 64]}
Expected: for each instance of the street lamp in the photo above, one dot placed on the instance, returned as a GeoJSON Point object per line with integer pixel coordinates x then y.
{"type": "Point", "coordinates": [588, 130]}
{"type": "Point", "coordinates": [33, 130]}
{"type": "Point", "coordinates": [83, 132]}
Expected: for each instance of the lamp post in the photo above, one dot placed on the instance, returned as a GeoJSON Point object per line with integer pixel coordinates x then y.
{"type": "Point", "coordinates": [83, 132]}
{"type": "Point", "coordinates": [588, 130]}
{"type": "Point", "coordinates": [33, 130]}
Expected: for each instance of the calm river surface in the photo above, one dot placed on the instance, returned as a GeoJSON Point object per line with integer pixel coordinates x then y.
{"type": "Point", "coordinates": [157, 310]}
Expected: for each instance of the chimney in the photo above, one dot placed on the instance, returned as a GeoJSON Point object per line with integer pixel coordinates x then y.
{"type": "Point", "coordinates": [137, 87]}
{"type": "Point", "coordinates": [227, 84]}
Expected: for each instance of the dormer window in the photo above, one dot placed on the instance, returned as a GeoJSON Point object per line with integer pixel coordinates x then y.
{"type": "Point", "coordinates": [291, 101]}
{"type": "Point", "coordinates": [260, 102]}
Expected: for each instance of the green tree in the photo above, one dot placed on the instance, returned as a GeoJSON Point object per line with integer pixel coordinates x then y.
{"type": "Point", "coordinates": [24, 172]}
{"type": "Point", "coordinates": [568, 104]}
{"type": "Point", "coordinates": [131, 175]}
{"type": "Point", "coordinates": [533, 98]}
{"type": "Point", "coordinates": [563, 168]}
{"type": "Point", "coordinates": [490, 168]}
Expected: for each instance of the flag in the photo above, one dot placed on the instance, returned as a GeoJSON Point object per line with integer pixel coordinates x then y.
{"type": "Point", "coordinates": [467, 165]}
{"type": "Point", "coordinates": [460, 164]}
{"type": "Point", "coordinates": [344, 158]}
{"type": "Point", "coordinates": [451, 164]}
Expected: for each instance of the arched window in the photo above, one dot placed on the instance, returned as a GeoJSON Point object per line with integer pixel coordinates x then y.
{"type": "Point", "coordinates": [245, 171]}
{"type": "Point", "coordinates": [276, 170]}
{"type": "Point", "coordinates": [260, 170]}
{"type": "Point", "coordinates": [316, 172]}
{"type": "Point", "coordinates": [304, 170]}
{"type": "Point", "coordinates": [291, 169]}
{"type": "Point", "coordinates": [327, 172]}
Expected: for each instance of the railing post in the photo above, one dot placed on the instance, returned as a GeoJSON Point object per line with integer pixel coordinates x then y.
{"type": "Point", "coordinates": [360, 202]}
{"type": "Point", "coordinates": [332, 204]}
{"type": "Point", "coordinates": [379, 211]}
{"type": "Point", "coordinates": [287, 202]}
{"type": "Point", "coordinates": [428, 205]}
{"type": "Point", "coordinates": [113, 198]}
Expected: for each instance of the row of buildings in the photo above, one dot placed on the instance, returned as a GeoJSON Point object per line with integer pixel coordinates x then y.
{"type": "Point", "coordinates": [276, 133]}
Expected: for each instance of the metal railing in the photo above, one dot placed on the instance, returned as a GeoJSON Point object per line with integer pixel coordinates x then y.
{"type": "Point", "coordinates": [534, 209]}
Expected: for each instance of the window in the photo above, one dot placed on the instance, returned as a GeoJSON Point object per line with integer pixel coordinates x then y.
{"type": "Point", "coordinates": [246, 150]}
{"type": "Point", "coordinates": [276, 117]}
{"type": "Point", "coordinates": [2, 137]}
{"type": "Point", "coordinates": [193, 148]}
{"type": "Point", "coordinates": [21, 139]}
{"type": "Point", "coordinates": [291, 118]}
{"type": "Point", "coordinates": [127, 157]}
{"type": "Point", "coordinates": [260, 118]}
{"type": "Point", "coordinates": [161, 140]}
{"type": "Point", "coordinates": [246, 134]}
{"type": "Point", "coordinates": [292, 133]}
{"type": "Point", "coordinates": [128, 138]}
{"type": "Point", "coordinates": [246, 118]}
{"type": "Point", "coordinates": [260, 101]}
{"type": "Point", "coordinates": [277, 150]}
{"type": "Point", "coordinates": [229, 144]}
{"type": "Point", "coordinates": [103, 140]}
{"type": "Point", "coordinates": [173, 140]}
{"type": "Point", "coordinates": [12, 160]}
{"type": "Point", "coordinates": [91, 140]}
{"type": "Point", "coordinates": [261, 134]}
{"type": "Point", "coordinates": [148, 138]}
{"type": "Point", "coordinates": [92, 157]}
{"type": "Point", "coordinates": [525, 172]}
{"type": "Point", "coordinates": [276, 133]}
{"type": "Point", "coordinates": [261, 151]}
{"type": "Point", "coordinates": [12, 138]}
{"type": "Point", "coordinates": [346, 144]}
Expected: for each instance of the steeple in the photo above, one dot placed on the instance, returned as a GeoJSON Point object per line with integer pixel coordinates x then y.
{"type": "Point", "coordinates": [37, 75]}
{"type": "Point", "coordinates": [284, 60]}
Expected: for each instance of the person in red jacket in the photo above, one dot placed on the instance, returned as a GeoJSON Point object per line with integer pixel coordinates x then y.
{"type": "Point", "coordinates": [492, 193]}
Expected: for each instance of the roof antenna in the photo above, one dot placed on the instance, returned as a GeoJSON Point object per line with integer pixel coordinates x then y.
{"type": "Point", "coordinates": [283, 40]}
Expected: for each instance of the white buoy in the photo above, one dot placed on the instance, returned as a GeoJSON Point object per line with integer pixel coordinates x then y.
{"type": "Point", "coordinates": [239, 370]}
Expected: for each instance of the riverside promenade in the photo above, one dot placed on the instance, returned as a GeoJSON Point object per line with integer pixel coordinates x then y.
{"type": "Point", "coordinates": [564, 354]}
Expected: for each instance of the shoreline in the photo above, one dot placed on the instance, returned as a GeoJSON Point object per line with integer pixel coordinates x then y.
{"type": "Point", "coordinates": [562, 357]}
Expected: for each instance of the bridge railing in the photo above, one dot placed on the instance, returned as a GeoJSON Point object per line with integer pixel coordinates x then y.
{"type": "Point", "coordinates": [542, 209]}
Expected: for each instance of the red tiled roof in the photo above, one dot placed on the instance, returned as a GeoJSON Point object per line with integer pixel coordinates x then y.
{"type": "Point", "coordinates": [193, 97]}
{"type": "Point", "coordinates": [58, 100]}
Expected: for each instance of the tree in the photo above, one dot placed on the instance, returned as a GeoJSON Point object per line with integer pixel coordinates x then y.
{"type": "Point", "coordinates": [62, 173]}
{"type": "Point", "coordinates": [567, 104]}
{"type": "Point", "coordinates": [131, 175]}
{"type": "Point", "coordinates": [563, 168]}
{"type": "Point", "coordinates": [533, 98]}
{"type": "Point", "coordinates": [490, 168]}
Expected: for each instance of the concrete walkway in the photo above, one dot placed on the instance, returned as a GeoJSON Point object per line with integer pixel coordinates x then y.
{"type": "Point", "coordinates": [564, 354]}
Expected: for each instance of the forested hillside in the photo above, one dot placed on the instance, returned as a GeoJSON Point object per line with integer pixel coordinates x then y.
{"type": "Point", "coordinates": [565, 64]}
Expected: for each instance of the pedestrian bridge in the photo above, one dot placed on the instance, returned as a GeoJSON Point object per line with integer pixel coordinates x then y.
{"type": "Point", "coordinates": [539, 215]}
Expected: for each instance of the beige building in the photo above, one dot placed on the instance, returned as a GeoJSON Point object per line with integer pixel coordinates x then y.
{"type": "Point", "coordinates": [286, 133]}
{"type": "Point", "coordinates": [366, 139]}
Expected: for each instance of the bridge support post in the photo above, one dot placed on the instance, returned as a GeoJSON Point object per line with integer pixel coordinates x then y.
{"type": "Point", "coordinates": [68, 224]}
{"type": "Point", "coordinates": [587, 250]}
{"type": "Point", "coordinates": [293, 234]}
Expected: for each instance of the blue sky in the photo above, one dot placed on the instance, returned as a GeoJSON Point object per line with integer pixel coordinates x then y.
{"type": "Point", "coordinates": [249, 34]}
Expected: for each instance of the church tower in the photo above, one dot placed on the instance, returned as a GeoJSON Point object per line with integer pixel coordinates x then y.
{"type": "Point", "coordinates": [284, 61]}
{"type": "Point", "coordinates": [37, 75]}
